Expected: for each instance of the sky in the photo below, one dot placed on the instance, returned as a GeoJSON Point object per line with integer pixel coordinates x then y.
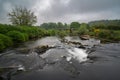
{"type": "Point", "coordinates": [64, 10]}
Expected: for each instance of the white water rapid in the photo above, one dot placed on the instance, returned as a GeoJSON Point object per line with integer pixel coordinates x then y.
{"type": "Point", "coordinates": [78, 54]}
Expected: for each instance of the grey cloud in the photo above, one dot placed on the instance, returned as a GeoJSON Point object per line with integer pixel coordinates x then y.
{"type": "Point", "coordinates": [82, 6]}
{"type": "Point", "coordinates": [59, 10]}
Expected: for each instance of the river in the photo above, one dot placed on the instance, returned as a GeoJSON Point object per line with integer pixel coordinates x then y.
{"type": "Point", "coordinates": [64, 59]}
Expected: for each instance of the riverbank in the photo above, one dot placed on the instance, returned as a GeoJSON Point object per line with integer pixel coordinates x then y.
{"type": "Point", "coordinates": [10, 35]}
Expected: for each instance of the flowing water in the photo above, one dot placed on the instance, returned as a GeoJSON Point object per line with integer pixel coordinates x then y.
{"type": "Point", "coordinates": [71, 59]}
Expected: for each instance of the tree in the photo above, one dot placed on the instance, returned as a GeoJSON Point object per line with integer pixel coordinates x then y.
{"type": "Point", "coordinates": [22, 16]}
{"type": "Point", "coordinates": [45, 25]}
{"type": "Point", "coordinates": [83, 29]}
{"type": "Point", "coordinates": [75, 25]}
{"type": "Point", "coordinates": [60, 25]}
{"type": "Point", "coordinates": [52, 25]}
{"type": "Point", "coordinates": [66, 26]}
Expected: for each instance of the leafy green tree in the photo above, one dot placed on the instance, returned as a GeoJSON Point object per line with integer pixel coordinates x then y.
{"type": "Point", "coordinates": [22, 16]}
{"type": "Point", "coordinates": [106, 24]}
{"type": "Point", "coordinates": [75, 25]}
{"type": "Point", "coordinates": [52, 25]}
{"type": "Point", "coordinates": [45, 25]}
{"type": "Point", "coordinates": [56, 26]}
{"type": "Point", "coordinates": [83, 29]}
{"type": "Point", "coordinates": [66, 25]}
{"type": "Point", "coordinates": [60, 25]}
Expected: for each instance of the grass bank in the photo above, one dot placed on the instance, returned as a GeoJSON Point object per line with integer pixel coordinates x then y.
{"type": "Point", "coordinates": [11, 35]}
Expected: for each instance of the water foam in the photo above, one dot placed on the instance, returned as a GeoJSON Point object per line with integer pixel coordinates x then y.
{"type": "Point", "coordinates": [78, 54]}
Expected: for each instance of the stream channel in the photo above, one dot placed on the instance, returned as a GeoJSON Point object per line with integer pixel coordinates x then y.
{"type": "Point", "coordinates": [52, 58]}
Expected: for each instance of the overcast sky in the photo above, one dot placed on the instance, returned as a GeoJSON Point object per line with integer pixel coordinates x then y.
{"type": "Point", "coordinates": [64, 10]}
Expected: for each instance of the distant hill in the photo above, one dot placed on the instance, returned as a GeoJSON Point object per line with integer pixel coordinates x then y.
{"type": "Point", "coordinates": [105, 22]}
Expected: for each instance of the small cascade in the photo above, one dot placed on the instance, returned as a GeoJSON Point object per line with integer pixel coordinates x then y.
{"type": "Point", "coordinates": [78, 54]}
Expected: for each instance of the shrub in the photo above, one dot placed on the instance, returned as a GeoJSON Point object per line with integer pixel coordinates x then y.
{"type": "Point", "coordinates": [33, 32]}
{"type": "Point", "coordinates": [41, 32]}
{"type": "Point", "coordinates": [104, 34]}
{"type": "Point", "coordinates": [109, 35]}
{"type": "Point", "coordinates": [92, 33]}
{"type": "Point", "coordinates": [2, 29]}
{"type": "Point", "coordinates": [62, 34]}
{"type": "Point", "coordinates": [83, 30]}
{"type": "Point", "coordinates": [16, 36]}
{"type": "Point", "coordinates": [7, 41]}
{"type": "Point", "coordinates": [51, 32]}
{"type": "Point", "coordinates": [116, 35]}
{"type": "Point", "coordinates": [26, 37]}
{"type": "Point", "coordinates": [2, 46]}
{"type": "Point", "coordinates": [6, 28]}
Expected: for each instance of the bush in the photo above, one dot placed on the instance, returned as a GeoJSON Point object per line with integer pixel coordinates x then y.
{"type": "Point", "coordinates": [116, 36]}
{"type": "Point", "coordinates": [92, 33]}
{"type": "Point", "coordinates": [104, 34]}
{"type": "Point", "coordinates": [83, 30]}
{"type": "Point", "coordinates": [26, 37]}
{"type": "Point", "coordinates": [7, 41]}
{"type": "Point", "coordinates": [2, 46]}
{"type": "Point", "coordinates": [41, 32]}
{"type": "Point", "coordinates": [62, 34]}
{"type": "Point", "coordinates": [17, 36]}
{"type": "Point", "coordinates": [51, 32]}
{"type": "Point", "coordinates": [32, 32]}
{"type": "Point", "coordinates": [6, 28]}
{"type": "Point", "coordinates": [109, 35]}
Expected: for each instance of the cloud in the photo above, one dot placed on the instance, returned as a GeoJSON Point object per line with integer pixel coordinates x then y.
{"type": "Point", "coordinates": [65, 10]}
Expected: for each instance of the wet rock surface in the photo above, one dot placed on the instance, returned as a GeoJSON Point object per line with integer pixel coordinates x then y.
{"type": "Point", "coordinates": [85, 37]}
{"type": "Point", "coordinates": [42, 49]}
{"type": "Point", "coordinates": [59, 61]}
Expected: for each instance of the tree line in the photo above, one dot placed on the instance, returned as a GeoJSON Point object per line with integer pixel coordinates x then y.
{"type": "Point", "coordinates": [24, 17]}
